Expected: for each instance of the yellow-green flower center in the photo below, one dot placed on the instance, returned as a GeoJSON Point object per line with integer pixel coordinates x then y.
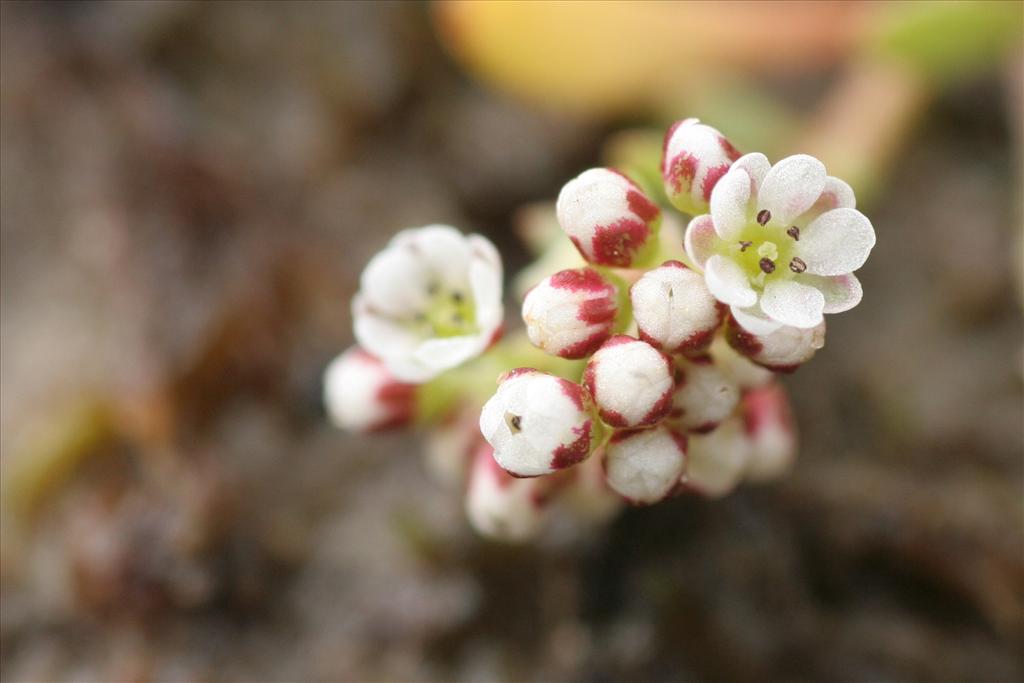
{"type": "Point", "coordinates": [450, 313]}
{"type": "Point", "coordinates": [765, 252]}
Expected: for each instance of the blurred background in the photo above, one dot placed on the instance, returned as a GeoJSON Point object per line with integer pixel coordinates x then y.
{"type": "Point", "coordinates": [189, 192]}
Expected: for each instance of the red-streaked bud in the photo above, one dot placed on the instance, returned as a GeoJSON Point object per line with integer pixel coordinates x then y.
{"type": "Point", "coordinates": [771, 432]}
{"type": "Point", "coordinates": [783, 350]}
{"type": "Point", "coordinates": [538, 423]}
{"type": "Point", "coordinates": [631, 382]}
{"type": "Point", "coordinates": [609, 219]}
{"type": "Point", "coordinates": [644, 466]}
{"type": "Point", "coordinates": [716, 461]}
{"type": "Point", "coordinates": [501, 506]}
{"type": "Point", "coordinates": [571, 313]}
{"type": "Point", "coordinates": [362, 396]}
{"type": "Point", "coordinates": [673, 309]}
{"type": "Point", "coordinates": [694, 157]}
{"type": "Point", "coordinates": [703, 396]}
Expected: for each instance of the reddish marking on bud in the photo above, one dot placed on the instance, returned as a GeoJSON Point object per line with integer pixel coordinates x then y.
{"type": "Point", "coordinates": [660, 409]}
{"type": "Point", "coordinates": [642, 206]}
{"type": "Point", "coordinates": [618, 339]}
{"type": "Point", "coordinates": [676, 413]}
{"type": "Point", "coordinates": [397, 398]}
{"type": "Point", "coordinates": [568, 455]}
{"type": "Point", "coordinates": [741, 340]}
{"type": "Point", "coordinates": [682, 168]}
{"type": "Point", "coordinates": [485, 460]}
{"type": "Point", "coordinates": [615, 244]}
{"type": "Point", "coordinates": [668, 137]}
{"type": "Point", "coordinates": [580, 280]}
{"type": "Point", "coordinates": [711, 179]}
{"type": "Point", "coordinates": [764, 406]}
{"type": "Point", "coordinates": [624, 434]}
{"type": "Point", "coordinates": [730, 152]}
{"type": "Point", "coordinates": [613, 417]}
{"type": "Point", "coordinates": [782, 369]}
{"type": "Point", "coordinates": [682, 443]}
{"type": "Point", "coordinates": [573, 391]}
{"type": "Point", "coordinates": [674, 264]}
{"type": "Point", "coordinates": [698, 341]}
{"type": "Point", "coordinates": [597, 311]}
{"type": "Point", "coordinates": [700, 359]}
{"type": "Point", "coordinates": [705, 427]}
{"type": "Point", "coordinates": [584, 347]}
{"type": "Point", "coordinates": [506, 376]}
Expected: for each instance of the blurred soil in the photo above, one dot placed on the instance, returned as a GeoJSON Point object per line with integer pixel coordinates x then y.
{"type": "Point", "coordinates": [189, 193]}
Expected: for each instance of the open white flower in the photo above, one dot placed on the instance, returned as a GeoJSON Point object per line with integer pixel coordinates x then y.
{"type": "Point", "coordinates": [571, 313]}
{"type": "Point", "coordinates": [609, 219]}
{"type": "Point", "coordinates": [362, 396]}
{"type": "Point", "coordinates": [645, 465]}
{"type": "Point", "coordinates": [781, 243]}
{"type": "Point", "coordinates": [429, 301]}
{"type": "Point", "coordinates": [694, 158]}
{"type": "Point", "coordinates": [538, 423]}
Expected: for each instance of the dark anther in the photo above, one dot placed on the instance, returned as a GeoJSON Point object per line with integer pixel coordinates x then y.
{"type": "Point", "coordinates": [767, 265]}
{"type": "Point", "coordinates": [744, 244]}
{"type": "Point", "coordinates": [797, 265]}
{"type": "Point", "coordinates": [794, 232]}
{"type": "Point", "coordinates": [763, 216]}
{"type": "Point", "coordinates": [457, 297]}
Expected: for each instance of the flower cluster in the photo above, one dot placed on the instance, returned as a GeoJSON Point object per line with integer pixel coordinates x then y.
{"type": "Point", "coordinates": [653, 366]}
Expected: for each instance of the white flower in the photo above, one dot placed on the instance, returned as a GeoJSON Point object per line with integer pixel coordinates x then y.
{"type": "Point", "coordinates": [782, 350]}
{"type": "Point", "coordinates": [538, 423]}
{"type": "Point", "coordinates": [694, 158]}
{"type": "Point", "coordinates": [429, 301]}
{"type": "Point", "coordinates": [500, 506]}
{"type": "Point", "coordinates": [609, 219]}
{"type": "Point", "coordinates": [771, 433]}
{"type": "Point", "coordinates": [645, 465]}
{"type": "Point", "coordinates": [362, 396]}
{"type": "Point", "coordinates": [673, 309]}
{"type": "Point", "coordinates": [630, 381]}
{"type": "Point", "coordinates": [716, 461]}
{"type": "Point", "coordinates": [781, 243]}
{"type": "Point", "coordinates": [570, 313]}
{"type": "Point", "coordinates": [703, 396]}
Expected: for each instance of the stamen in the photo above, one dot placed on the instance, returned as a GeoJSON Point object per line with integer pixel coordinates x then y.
{"type": "Point", "coordinates": [744, 244]}
{"type": "Point", "coordinates": [767, 265]}
{"type": "Point", "coordinates": [794, 232]}
{"type": "Point", "coordinates": [457, 297]}
{"type": "Point", "coordinates": [763, 216]}
{"type": "Point", "coordinates": [797, 265]}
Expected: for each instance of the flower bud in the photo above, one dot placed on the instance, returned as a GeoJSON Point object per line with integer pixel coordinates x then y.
{"type": "Point", "coordinates": [739, 369]}
{"type": "Point", "coordinates": [609, 219]}
{"type": "Point", "coordinates": [703, 396]}
{"type": "Point", "coordinates": [571, 313]}
{"type": "Point", "coordinates": [673, 309]}
{"type": "Point", "coordinates": [538, 423]}
{"type": "Point", "coordinates": [587, 496]}
{"type": "Point", "coordinates": [694, 157]}
{"type": "Point", "coordinates": [631, 382]}
{"type": "Point", "coordinates": [500, 506]}
{"type": "Point", "coordinates": [716, 461]}
{"type": "Point", "coordinates": [361, 395]}
{"type": "Point", "coordinates": [783, 350]}
{"type": "Point", "coordinates": [449, 447]}
{"type": "Point", "coordinates": [645, 465]}
{"type": "Point", "coordinates": [771, 432]}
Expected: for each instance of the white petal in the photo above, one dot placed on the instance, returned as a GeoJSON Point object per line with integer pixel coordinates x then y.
{"type": "Point", "coordinates": [395, 282]}
{"type": "Point", "coordinates": [447, 352]}
{"type": "Point", "coordinates": [836, 243]}
{"type": "Point", "coordinates": [792, 303]}
{"type": "Point", "coordinates": [753, 320]}
{"type": "Point", "coordinates": [443, 250]}
{"type": "Point", "coordinates": [842, 292]}
{"type": "Point", "coordinates": [791, 187]}
{"type": "Point", "coordinates": [727, 281]}
{"type": "Point", "coordinates": [700, 239]}
{"type": "Point", "coordinates": [730, 203]}
{"type": "Point", "coordinates": [757, 166]}
{"type": "Point", "coordinates": [837, 194]}
{"type": "Point", "coordinates": [379, 335]}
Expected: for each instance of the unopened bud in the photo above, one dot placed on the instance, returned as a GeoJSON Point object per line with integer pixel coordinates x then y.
{"type": "Point", "coordinates": [645, 465]}
{"type": "Point", "coordinates": [631, 382]}
{"type": "Point", "coordinates": [695, 156]}
{"type": "Point", "coordinates": [500, 506]}
{"type": "Point", "coordinates": [361, 395]}
{"type": "Point", "coordinates": [674, 310]}
{"type": "Point", "coordinates": [703, 397]}
{"type": "Point", "coordinates": [571, 313]}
